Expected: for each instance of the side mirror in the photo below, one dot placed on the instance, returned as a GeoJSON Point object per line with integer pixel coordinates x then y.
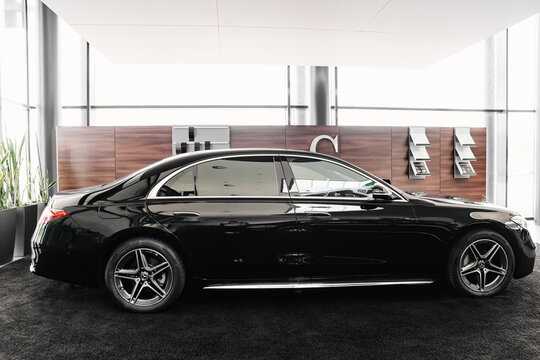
{"type": "Point", "coordinates": [387, 181]}
{"type": "Point", "coordinates": [380, 192]}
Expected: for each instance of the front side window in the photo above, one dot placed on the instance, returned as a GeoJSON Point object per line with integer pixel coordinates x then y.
{"type": "Point", "coordinates": [314, 177]}
{"type": "Point", "coordinates": [236, 176]}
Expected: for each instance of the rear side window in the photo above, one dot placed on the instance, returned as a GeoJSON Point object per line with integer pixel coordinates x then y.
{"type": "Point", "coordinates": [237, 176]}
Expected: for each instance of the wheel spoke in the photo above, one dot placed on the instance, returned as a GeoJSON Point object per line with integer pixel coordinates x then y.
{"type": "Point", "coordinates": [136, 292]}
{"type": "Point", "coordinates": [159, 268]}
{"type": "Point", "coordinates": [491, 253]}
{"type": "Point", "coordinates": [469, 269]}
{"type": "Point", "coordinates": [496, 269]}
{"type": "Point", "coordinates": [475, 252]}
{"type": "Point", "coordinates": [129, 274]}
{"type": "Point", "coordinates": [481, 279]}
{"type": "Point", "coordinates": [153, 285]}
{"type": "Point", "coordinates": [141, 259]}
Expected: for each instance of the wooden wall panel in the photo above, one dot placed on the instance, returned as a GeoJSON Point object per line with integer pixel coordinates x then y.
{"type": "Point", "coordinates": [400, 161]}
{"type": "Point", "coordinates": [85, 156]}
{"type": "Point", "coordinates": [94, 155]}
{"type": "Point", "coordinates": [474, 187]}
{"type": "Point", "coordinates": [300, 137]}
{"type": "Point", "coordinates": [368, 147]}
{"type": "Point", "coordinates": [258, 137]}
{"type": "Point", "coordinates": [140, 146]}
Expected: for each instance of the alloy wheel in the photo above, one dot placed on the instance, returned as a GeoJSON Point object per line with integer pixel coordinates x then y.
{"type": "Point", "coordinates": [483, 265]}
{"type": "Point", "coordinates": [143, 277]}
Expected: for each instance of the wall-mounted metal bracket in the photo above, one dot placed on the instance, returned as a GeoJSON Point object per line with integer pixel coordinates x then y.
{"type": "Point", "coordinates": [418, 154]}
{"type": "Point", "coordinates": [463, 154]}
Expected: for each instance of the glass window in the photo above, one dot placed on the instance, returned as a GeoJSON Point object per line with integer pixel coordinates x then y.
{"type": "Point", "coordinates": [179, 84]}
{"type": "Point", "coordinates": [459, 81]}
{"type": "Point", "coordinates": [182, 184]}
{"type": "Point", "coordinates": [522, 63]}
{"type": "Point", "coordinates": [354, 117]}
{"type": "Point", "coordinates": [521, 138]}
{"type": "Point", "coordinates": [13, 73]}
{"type": "Point", "coordinates": [141, 117]}
{"type": "Point", "coordinates": [241, 176]}
{"type": "Point", "coordinates": [314, 177]}
{"type": "Point", "coordinates": [72, 62]}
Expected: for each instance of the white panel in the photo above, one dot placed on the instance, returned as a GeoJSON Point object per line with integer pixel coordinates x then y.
{"type": "Point", "coordinates": [481, 18]}
{"type": "Point", "coordinates": [154, 44]}
{"type": "Point", "coordinates": [392, 50]}
{"type": "Point", "coordinates": [419, 152]}
{"type": "Point", "coordinates": [286, 46]}
{"type": "Point", "coordinates": [418, 136]}
{"type": "Point", "coordinates": [307, 14]}
{"type": "Point", "coordinates": [464, 137]}
{"type": "Point", "coordinates": [397, 33]}
{"type": "Point", "coordinates": [135, 12]}
{"type": "Point", "coordinates": [464, 152]}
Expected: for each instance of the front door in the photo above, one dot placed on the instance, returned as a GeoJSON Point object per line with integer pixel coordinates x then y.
{"type": "Point", "coordinates": [344, 230]}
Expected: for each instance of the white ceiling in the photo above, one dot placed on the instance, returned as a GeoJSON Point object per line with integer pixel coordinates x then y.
{"type": "Point", "coordinates": [395, 33]}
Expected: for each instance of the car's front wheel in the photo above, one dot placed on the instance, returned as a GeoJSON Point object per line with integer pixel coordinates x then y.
{"type": "Point", "coordinates": [481, 263]}
{"type": "Point", "coordinates": [144, 275]}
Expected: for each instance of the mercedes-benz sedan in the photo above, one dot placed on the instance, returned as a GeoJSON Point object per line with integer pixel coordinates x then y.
{"type": "Point", "coordinates": [271, 219]}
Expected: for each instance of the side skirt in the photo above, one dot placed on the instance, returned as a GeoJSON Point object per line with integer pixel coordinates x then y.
{"type": "Point", "coordinates": [314, 285]}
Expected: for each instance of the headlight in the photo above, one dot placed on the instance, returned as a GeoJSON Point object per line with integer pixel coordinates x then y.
{"type": "Point", "coordinates": [517, 223]}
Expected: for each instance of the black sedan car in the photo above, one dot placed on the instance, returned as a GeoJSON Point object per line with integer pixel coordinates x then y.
{"type": "Point", "coordinates": [271, 219]}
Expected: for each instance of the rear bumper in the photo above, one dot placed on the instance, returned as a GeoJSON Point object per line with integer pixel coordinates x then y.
{"type": "Point", "coordinates": [56, 254]}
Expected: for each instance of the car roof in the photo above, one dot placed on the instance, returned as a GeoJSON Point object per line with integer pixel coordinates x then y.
{"type": "Point", "coordinates": [176, 161]}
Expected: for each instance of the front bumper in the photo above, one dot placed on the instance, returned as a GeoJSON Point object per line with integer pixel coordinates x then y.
{"type": "Point", "coordinates": [525, 254]}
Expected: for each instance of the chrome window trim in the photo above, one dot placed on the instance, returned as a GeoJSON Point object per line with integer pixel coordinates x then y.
{"type": "Point", "coordinates": [152, 195]}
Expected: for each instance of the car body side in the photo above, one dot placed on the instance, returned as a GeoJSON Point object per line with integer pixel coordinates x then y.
{"type": "Point", "coordinates": [76, 248]}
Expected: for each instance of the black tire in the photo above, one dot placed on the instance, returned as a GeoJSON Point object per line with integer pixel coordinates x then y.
{"type": "Point", "coordinates": [151, 286]}
{"type": "Point", "coordinates": [470, 258]}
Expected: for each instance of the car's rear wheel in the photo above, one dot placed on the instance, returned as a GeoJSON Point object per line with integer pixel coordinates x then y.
{"type": "Point", "coordinates": [481, 263]}
{"type": "Point", "coordinates": [144, 275]}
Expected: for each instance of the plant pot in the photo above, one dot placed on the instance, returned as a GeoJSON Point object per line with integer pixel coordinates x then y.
{"type": "Point", "coordinates": [26, 224]}
{"type": "Point", "coordinates": [8, 221]}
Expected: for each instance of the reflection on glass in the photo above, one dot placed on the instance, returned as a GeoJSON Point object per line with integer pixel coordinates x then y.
{"type": "Point", "coordinates": [314, 177]}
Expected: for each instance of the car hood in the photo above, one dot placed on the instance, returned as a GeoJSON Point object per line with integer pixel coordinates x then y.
{"type": "Point", "coordinates": [456, 201]}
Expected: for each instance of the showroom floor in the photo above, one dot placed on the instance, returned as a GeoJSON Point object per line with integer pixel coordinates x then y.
{"type": "Point", "coordinates": [49, 319]}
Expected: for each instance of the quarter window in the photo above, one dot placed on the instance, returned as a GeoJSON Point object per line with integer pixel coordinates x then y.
{"type": "Point", "coordinates": [313, 177]}
{"type": "Point", "coordinates": [182, 184]}
{"type": "Point", "coordinates": [237, 176]}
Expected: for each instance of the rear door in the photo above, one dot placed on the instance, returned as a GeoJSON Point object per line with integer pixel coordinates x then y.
{"type": "Point", "coordinates": [232, 214]}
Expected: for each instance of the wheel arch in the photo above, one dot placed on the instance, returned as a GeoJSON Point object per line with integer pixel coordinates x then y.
{"type": "Point", "coordinates": [492, 226]}
{"type": "Point", "coordinates": [122, 236]}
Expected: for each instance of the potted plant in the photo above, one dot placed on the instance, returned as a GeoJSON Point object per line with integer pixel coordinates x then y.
{"type": "Point", "coordinates": [12, 166]}
{"type": "Point", "coordinates": [8, 214]}
{"type": "Point", "coordinates": [38, 186]}
{"type": "Point", "coordinates": [19, 212]}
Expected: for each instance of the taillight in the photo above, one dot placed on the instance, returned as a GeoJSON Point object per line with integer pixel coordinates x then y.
{"type": "Point", "coordinates": [52, 214]}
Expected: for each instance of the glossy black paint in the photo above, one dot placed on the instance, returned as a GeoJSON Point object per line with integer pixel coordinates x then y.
{"type": "Point", "coordinates": [264, 238]}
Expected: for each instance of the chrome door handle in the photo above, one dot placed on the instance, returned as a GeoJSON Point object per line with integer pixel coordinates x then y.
{"type": "Point", "coordinates": [186, 213]}
{"type": "Point", "coordinates": [317, 213]}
